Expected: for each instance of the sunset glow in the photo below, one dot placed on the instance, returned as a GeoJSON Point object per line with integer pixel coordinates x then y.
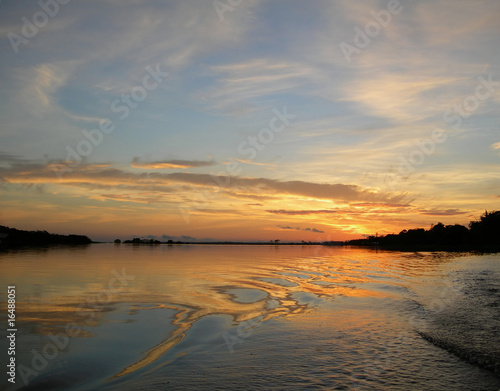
{"type": "Point", "coordinates": [266, 120]}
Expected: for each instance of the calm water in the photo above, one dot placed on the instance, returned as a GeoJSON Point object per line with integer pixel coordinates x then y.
{"type": "Point", "coordinates": [118, 317]}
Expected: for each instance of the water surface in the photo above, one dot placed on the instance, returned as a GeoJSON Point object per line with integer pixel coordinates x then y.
{"type": "Point", "coordinates": [207, 317]}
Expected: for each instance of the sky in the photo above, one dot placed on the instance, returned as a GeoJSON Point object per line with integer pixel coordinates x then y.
{"type": "Point", "coordinates": [248, 119]}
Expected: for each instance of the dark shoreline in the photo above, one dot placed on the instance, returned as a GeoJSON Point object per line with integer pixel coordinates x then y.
{"type": "Point", "coordinates": [482, 236]}
{"type": "Point", "coordinates": [433, 248]}
{"type": "Point", "coordinates": [11, 238]}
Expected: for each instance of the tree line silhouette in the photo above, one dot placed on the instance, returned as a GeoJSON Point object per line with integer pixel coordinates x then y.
{"type": "Point", "coordinates": [481, 234]}
{"type": "Point", "coordinates": [11, 237]}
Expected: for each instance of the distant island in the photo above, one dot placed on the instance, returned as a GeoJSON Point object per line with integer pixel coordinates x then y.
{"type": "Point", "coordinates": [139, 241]}
{"type": "Point", "coordinates": [482, 235]}
{"type": "Point", "coordinates": [15, 238]}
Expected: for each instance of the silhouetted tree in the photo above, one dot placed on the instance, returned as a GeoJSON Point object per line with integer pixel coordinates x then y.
{"type": "Point", "coordinates": [12, 237]}
{"type": "Point", "coordinates": [484, 233]}
{"type": "Point", "coordinates": [487, 229]}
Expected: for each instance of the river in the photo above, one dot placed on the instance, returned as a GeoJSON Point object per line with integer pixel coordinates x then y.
{"type": "Point", "coordinates": [261, 317]}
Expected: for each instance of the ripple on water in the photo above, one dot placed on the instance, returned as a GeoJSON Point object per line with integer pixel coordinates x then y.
{"type": "Point", "coordinates": [322, 283]}
{"type": "Point", "coordinates": [298, 275]}
{"type": "Point", "coordinates": [247, 295]}
{"type": "Point", "coordinates": [303, 298]}
{"type": "Point", "coordinates": [279, 281]}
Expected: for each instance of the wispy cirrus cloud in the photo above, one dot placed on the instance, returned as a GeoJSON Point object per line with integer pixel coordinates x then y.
{"type": "Point", "coordinates": [172, 164]}
{"type": "Point", "coordinates": [11, 158]}
{"type": "Point", "coordinates": [242, 87]}
{"type": "Point", "coordinates": [363, 208]}
{"type": "Point", "coordinates": [396, 97]}
{"type": "Point", "coordinates": [144, 199]}
{"type": "Point", "coordinates": [301, 212]}
{"type": "Point", "coordinates": [254, 163]}
{"type": "Point", "coordinates": [380, 205]}
{"type": "Point", "coordinates": [250, 196]}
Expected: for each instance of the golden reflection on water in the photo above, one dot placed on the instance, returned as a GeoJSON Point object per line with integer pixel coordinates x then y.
{"type": "Point", "coordinates": [76, 285]}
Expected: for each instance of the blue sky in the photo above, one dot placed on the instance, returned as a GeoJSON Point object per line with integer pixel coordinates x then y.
{"type": "Point", "coordinates": [366, 85]}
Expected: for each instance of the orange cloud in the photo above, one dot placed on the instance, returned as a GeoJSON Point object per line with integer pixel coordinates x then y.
{"type": "Point", "coordinates": [155, 181]}
{"type": "Point", "coordinates": [301, 212]}
{"type": "Point", "coordinates": [172, 164]}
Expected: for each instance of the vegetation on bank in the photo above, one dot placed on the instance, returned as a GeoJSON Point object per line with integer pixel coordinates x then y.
{"type": "Point", "coordinates": [139, 241]}
{"type": "Point", "coordinates": [483, 234]}
{"type": "Point", "coordinates": [12, 238]}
